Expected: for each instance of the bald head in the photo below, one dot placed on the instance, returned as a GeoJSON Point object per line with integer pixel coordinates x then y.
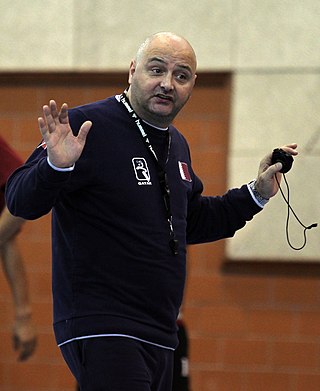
{"type": "Point", "coordinates": [170, 43]}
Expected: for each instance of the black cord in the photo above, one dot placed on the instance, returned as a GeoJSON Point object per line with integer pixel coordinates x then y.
{"type": "Point", "coordinates": [289, 208]}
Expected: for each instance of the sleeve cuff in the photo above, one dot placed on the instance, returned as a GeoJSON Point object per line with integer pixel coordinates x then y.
{"type": "Point", "coordinates": [257, 197]}
{"type": "Point", "coordinates": [65, 169]}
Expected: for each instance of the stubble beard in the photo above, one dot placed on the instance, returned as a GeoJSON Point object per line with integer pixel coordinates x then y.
{"type": "Point", "coordinates": [143, 108]}
{"type": "Point", "coordinates": [145, 111]}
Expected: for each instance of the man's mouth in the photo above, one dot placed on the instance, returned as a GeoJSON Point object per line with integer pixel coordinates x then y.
{"type": "Point", "coordinates": [164, 97]}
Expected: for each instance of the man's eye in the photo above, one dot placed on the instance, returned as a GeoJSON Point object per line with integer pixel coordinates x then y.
{"type": "Point", "coordinates": [156, 70]}
{"type": "Point", "coordinates": [182, 77]}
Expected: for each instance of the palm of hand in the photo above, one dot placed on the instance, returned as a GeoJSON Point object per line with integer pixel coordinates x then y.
{"type": "Point", "coordinates": [63, 147]}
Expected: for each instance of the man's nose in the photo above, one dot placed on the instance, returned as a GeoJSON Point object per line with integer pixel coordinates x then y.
{"type": "Point", "coordinates": [167, 82]}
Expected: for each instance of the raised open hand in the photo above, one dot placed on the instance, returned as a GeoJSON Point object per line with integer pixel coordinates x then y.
{"type": "Point", "coordinates": [63, 148]}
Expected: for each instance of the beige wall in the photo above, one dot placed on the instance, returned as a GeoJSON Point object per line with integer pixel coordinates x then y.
{"type": "Point", "coordinates": [276, 101]}
{"type": "Point", "coordinates": [239, 35]}
{"type": "Point", "coordinates": [272, 46]}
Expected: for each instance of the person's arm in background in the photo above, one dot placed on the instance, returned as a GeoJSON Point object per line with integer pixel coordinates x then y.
{"type": "Point", "coordinates": [24, 335]}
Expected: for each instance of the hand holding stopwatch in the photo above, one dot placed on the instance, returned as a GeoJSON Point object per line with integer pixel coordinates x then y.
{"type": "Point", "coordinates": [279, 155]}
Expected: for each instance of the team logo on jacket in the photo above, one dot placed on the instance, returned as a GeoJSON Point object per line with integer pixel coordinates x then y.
{"type": "Point", "coordinates": [184, 171]}
{"type": "Point", "coordinates": [141, 171]}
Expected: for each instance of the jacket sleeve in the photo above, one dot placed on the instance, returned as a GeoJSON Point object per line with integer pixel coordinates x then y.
{"type": "Point", "coordinates": [33, 189]}
{"type": "Point", "coordinates": [214, 218]}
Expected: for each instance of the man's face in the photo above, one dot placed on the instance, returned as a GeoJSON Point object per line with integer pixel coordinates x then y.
{"type": "Point", "coordinates": [162, 79]}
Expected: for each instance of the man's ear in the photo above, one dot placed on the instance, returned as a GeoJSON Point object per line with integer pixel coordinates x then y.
{"type": "Point", "coordinates": [132, 70]}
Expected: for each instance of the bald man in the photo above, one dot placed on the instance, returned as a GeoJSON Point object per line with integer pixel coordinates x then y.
{"type": "Point", "coordinates": [125, 203]}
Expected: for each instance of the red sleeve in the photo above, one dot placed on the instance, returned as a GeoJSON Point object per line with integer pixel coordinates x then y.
{"type": "Point", "coordinates": [9, 161]}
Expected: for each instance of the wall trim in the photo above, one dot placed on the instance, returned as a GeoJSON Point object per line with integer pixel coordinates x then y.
{"type": "Point", "coordinates": [92, 78]}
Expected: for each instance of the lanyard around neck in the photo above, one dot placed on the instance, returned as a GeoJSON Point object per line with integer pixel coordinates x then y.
{"type": "Point", "coordinates": [162, 175]}
{"type": "Point", "coordinates": [138, 122]}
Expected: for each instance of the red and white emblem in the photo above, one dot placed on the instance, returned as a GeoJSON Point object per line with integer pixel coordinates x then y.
{"type": "Point", "coordinates": [42, 145]}
{"type": "Point", "coordinates": [184, 171]}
